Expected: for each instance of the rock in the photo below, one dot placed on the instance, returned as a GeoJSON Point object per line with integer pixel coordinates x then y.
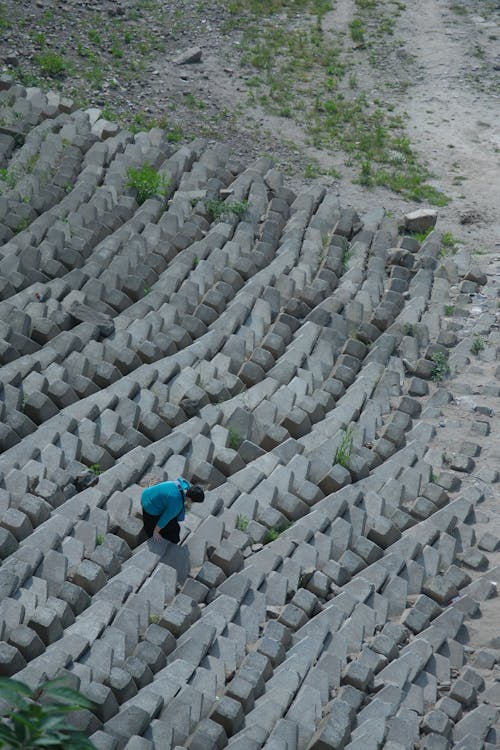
{"type": "Point", "coordinates": [420, 220]}
{"type": "Point", "coordinates": [191, 55]}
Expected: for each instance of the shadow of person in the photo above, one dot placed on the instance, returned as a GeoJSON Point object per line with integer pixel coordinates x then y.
{"type": "Point", "coordinates": [177, 557]}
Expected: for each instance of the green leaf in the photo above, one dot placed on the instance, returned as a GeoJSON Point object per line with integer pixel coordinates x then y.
{"type": "Point", "coordinates": [67, 695]}
{"type": "Point", "coordinates": [13, 691]}
{"type": "Point", "coordinates": [7, 736]}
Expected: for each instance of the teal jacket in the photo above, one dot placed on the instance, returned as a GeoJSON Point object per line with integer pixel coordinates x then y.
{"type": "Point", "coordinates": [165, 500]}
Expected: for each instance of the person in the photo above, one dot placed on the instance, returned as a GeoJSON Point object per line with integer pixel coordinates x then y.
{"type": "Point", "coordinates": [164, 505]}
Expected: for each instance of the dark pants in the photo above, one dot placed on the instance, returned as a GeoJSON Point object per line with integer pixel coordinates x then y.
{"type": "Point", "coordinates": [171, 531]}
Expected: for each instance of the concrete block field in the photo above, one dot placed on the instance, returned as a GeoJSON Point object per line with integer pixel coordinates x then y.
{"type": "Point", "coordinates": [287, 353]}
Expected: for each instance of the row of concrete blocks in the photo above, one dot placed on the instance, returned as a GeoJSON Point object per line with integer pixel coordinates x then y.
{"type": "Point", "coordinates": [91, 268]}
{"type": "Point", "coordinates": [206, 573]}
{"type": "Point", "coordinates": [49, 160]}
{"type": "Point", "coordinates": [74, 232]}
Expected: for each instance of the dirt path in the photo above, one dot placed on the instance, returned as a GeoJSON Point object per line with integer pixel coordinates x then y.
{"type": "Point", "coordinates": [454, 124]}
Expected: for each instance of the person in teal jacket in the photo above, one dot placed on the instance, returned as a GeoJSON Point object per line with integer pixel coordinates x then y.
{"type": "Point", "coordinates": [164, 505]}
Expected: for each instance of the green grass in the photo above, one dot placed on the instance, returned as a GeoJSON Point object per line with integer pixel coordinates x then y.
{"type": "Point", "coordinates": [344, 451]}
{"type": "Point", "coordinates": [449, 309]}
{"type": "Point", "coordinates": [8, 177]}
{"type": "Point", "coordinates": [271, 535]}
{"type": "Point", "coordinates": [242, 523]}
{"type": "Point", "coordinates": [146, 182]}
{"type": "Point", "coordinates": [304, 74]}
{"type": "Point", "coordinates": [357, 31]}
{"type": "Point", "coordinates": [216, 208]}
{"type": "Point", "coordinates": [95, 469]}
{"type": "Point", "coordinates": [51, 64]}
{"type": "Point", "coordinates": [235, 438]}
{"type": "Point", "coordinates": [421, 236]}
{"type": "Point", "coordinates": [477, 345]}
{"type": "Point", "coordinates": [441, 369]}
{"type": "Point", "coordinates": [448, 244]}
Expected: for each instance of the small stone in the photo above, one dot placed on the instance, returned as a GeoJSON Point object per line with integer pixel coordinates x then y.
{"type": "Point", "coordinates": [190, 55]}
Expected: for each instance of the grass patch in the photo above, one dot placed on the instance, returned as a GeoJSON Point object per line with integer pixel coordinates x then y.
{"type": "Point", "coordinates": [146, 182]}
{"type": "Point", "coordinates": [242, 523]}
{"type": "Point", "coordinates": [344, 451]}
{"type": "Point", "coordinates": [357, 31]}
{"type": "Point", "coordinates": [235, 439]}
{"type": "Point", "coordinates": [216, 208]}
{"type": "Point", "coordinates": [441, 369]}
{"type": "Point", "coordinates": [422, 236]}
{"type": "Point", "coordinates": [95, 469]}
{"type": "Point", "coordinates": [477, 345]}
{"type": "Point", "coordinates": [308, 75]}
{"type": "Point", "coordinates": [51, 64]}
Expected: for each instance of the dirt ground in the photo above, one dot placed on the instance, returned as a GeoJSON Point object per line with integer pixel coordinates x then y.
{"type": "Point", "coordinates": [438, 68]}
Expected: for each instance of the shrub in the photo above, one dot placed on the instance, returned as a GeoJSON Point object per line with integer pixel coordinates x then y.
{"type": "Point", "coordinates": [146, 182]}
{"type": "Point", "coordinates": [440, 370]}
{"type": "Point", "coordinates": [29, 724]}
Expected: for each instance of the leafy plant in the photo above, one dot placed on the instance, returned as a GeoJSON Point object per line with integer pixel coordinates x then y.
{"type": "Point", "coordinates": [449, 309]}
{"type": "Point", "coordinates": [146, 182]}
{"type": "Point", "coordinates": [344, 451]}
{"type": "Point", "coordinates": [99, 539]}
{"type": "Point", "coordinates": [477, 345]}
{"type": "Point", "coordinates": [154, 619]}
{"type": "Point", "coordinates": [242, 523]}
{"type": "Point", "coordinates": [441, 369]}
{"type": "Point", "coordinates": [30, 724]}
{"type": "Point", "coordinates": [235, 438]}
{"type": "Point", "coordinates": [95, 469]}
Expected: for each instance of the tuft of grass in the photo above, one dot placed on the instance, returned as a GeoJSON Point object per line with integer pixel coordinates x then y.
{"type": "Point", "coordinates": [449, 309]}
{"type": "Point", "coordinates": [344, 451]}
{"type": "Point", "coordinates": [95, 469]}
{"type": "Point", "coordinates": [422, 236]}
{"type": "Point", "coordinates": [217, 208]}
{"type": "Point", "coordinates": [8, 177]}
{"type": "Point", "coordinates": [441, 369]}
{"type": "Point", "coordinates": [99, 539]}
{"type": "Point", "coordinates": [357, 31]}
{"type": "Point", "coordinates": [271, 535]}
{"type": "Point", "coordinates": [235, 439]}
{"type": "Point", "coordinates": [154, 619]}
{"type": "Point", "coordinates": [242, 523]}
{"type": "Point", "coordinates": [477, 345]}
{"type": "Point", "coordinates": [146, 182]}
{"type": "Point", "coordinates": [51, 64]}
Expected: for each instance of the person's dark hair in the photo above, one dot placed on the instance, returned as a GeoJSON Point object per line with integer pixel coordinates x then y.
{"type": "Point", "coordinates": [196, 494]}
